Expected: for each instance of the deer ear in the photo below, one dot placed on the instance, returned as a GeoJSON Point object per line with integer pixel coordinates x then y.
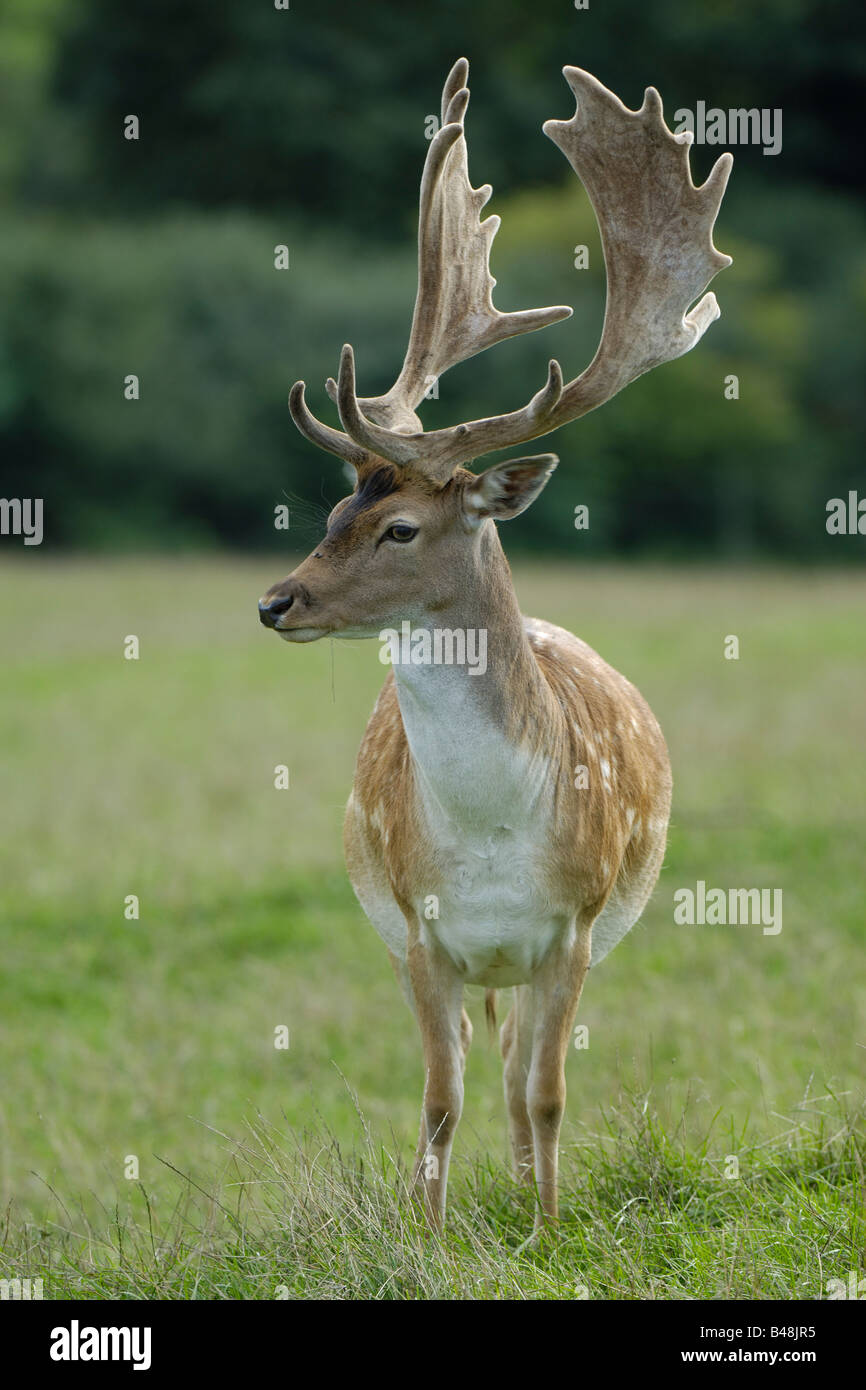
{"type": "Point", "coordinates": [507, 489]}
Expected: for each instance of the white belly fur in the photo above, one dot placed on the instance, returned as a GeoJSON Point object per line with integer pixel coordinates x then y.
{"type": "Point", "coordinates": [489, 915]}
{"type": "Point", "coordinates": [493, 920]}
{"type": "Point", "coordinates": [489, 911]}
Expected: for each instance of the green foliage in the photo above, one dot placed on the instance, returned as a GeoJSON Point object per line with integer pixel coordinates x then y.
{"type": "Point", "coordinates": [305, 127]}
{"type": "Point", "coordinates": [193, 306]}
{"type": "Point", "coordinates": [321, 107]}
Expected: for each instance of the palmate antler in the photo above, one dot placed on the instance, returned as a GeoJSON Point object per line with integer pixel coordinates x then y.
{"type": "Point", "coordinates": [656, 230]}
{"type": "Point", "coordinates": [454, 314]}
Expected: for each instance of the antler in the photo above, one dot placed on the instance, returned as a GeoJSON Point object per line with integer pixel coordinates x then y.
{"type": "Point", "coordinates": [454, 317]}
{"type": "Point", "coordinates": [656, 229]}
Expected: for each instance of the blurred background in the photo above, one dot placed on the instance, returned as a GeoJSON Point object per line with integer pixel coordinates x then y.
{"type": "Point", "coordinates": [155, 777]}
{"type": "Point", "coordinates": [306, 127]}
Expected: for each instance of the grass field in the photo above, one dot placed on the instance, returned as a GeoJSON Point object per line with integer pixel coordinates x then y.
{"type": "Point", "coordinates": [266, 1172]}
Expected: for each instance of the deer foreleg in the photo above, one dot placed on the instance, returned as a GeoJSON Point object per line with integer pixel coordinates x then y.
{"type": "Point", "coordinates": [437, 990]}
{"type": "Point", "coordinates": [555, 993]}
{"type": "Point", "coordinates": [515, 1040]}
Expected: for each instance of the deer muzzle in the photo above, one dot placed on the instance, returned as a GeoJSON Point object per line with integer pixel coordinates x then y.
{"type": "Point", "coordinates": [289, 597]}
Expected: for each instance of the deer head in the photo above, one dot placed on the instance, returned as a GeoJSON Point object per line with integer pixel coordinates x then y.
{"type": "Point", "coordinates": [401, 546]}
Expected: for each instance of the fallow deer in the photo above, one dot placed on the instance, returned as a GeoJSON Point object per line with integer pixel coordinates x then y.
{"type": "Point", "coordinates": [474, 849]}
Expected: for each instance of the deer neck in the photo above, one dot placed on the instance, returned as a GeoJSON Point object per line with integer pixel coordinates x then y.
{"type": "Point", "coordinates": [480, 733]}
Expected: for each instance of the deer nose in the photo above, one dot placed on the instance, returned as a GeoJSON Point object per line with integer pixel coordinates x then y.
{"type": "Point", "coordinates": [270, 610]}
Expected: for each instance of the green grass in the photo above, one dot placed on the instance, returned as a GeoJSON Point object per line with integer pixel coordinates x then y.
{"type": "Point", "coordinates": [645, 1216]}
{"type": "Point", "coordinates": [155, 1037]}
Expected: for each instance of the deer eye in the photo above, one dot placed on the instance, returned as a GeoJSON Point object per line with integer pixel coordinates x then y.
{"type": "Point", "coordinates": [401, 531]}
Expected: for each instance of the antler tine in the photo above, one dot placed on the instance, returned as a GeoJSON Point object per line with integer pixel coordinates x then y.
{"type": "Point", "coordinates": [545, 401]}
{"type": "Point", "coordinates": [454, 82]}
{"type": "Point", "coordinates": [387, 443]}
{"type": "Point", "coordinates": [323, 435]}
